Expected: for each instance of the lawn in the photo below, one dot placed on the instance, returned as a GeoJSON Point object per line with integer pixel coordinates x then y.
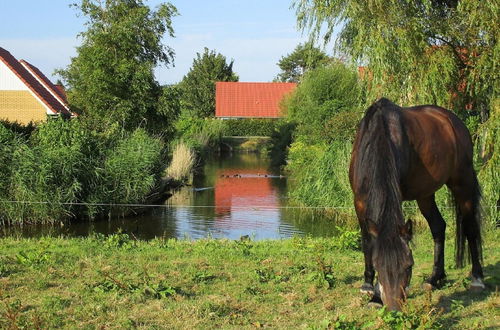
{"type": "Point", "coordinates": [118, 282]}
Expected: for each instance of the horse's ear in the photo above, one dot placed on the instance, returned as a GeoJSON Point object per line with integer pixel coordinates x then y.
{"type": "Point", "coordinates": [406, 230]}
{"type": "Point", "coordinates": [372, 228]}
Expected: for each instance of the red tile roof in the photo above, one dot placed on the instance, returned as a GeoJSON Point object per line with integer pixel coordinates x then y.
{"type": "Point", "coordinates": [42, 92]}
{"type": "Point", "coordinates": [56, 92]}
{"type": "Point", "coordinates": [250, 100]}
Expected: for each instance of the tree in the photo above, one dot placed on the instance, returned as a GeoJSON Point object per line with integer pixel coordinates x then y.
{"type": "Point", "coordinates": [427, 51]}
{"type": "Point", "coordinates": [305, 57]}
{"type": "Point", "coordinates": [198, 85]}
{"type": "Point", "coordinates": [111, 79]}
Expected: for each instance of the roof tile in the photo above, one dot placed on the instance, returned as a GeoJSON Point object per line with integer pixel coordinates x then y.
{"type": "Point", "coordinates": [250, 99]}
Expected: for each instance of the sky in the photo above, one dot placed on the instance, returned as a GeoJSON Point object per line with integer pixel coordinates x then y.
{"type": "Point", "coordinates": [253, 33]}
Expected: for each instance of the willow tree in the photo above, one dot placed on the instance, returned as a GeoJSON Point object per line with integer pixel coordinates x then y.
{"type": "Point", "coordinates": [111, 80]}
{"type": "Point", "coordinates": [416, 51]}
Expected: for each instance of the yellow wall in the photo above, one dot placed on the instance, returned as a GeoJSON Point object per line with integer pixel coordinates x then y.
{"type": "Point", "coordinates": [21, 106]}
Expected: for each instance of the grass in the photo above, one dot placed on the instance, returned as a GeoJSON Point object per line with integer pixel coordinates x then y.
{"type": "Point", "coordinates": [117, 282]}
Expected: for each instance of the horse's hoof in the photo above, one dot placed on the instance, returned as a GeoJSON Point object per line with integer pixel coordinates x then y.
{"type": "Point", "coordinates": [428, 286]}
{"type": "Point", "coordinates": [477, 284]}
{"type": "Point", "coordinates": [375, 302]}
{"type": "Point", "coordinates": [368, 289]}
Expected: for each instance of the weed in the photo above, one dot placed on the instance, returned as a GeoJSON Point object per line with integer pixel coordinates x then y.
{"type": "Point", "coordinates": [347, 239]}
{"type": "Point", "coordinates": [410, 318]}
{"type": "Point", "coordinates": [266, 275]}
{"type": "Point", "coordinates": [203, 277]}
{"type": "Point", "coordinates": [33, 258]}
{"type": "Point", "coordinates": [324, 274]}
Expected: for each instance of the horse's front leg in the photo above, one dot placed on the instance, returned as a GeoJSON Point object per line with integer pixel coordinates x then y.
{"type": "Point", "coordinates": [437, 225]}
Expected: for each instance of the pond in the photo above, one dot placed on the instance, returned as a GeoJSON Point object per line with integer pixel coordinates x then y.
{"type": "Point", "coordinates": [233, 196]}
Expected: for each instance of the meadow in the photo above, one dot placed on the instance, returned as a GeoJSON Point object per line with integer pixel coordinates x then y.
{"type": "Point", "coordinates": [312, 283]}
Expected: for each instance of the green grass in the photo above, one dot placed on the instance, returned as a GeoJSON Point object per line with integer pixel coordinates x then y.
{"type": "Point", "coordinates": [117, 282]}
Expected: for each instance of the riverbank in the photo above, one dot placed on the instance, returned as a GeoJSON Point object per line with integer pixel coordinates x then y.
{"type": "Point", "coordinates": [118, 282]}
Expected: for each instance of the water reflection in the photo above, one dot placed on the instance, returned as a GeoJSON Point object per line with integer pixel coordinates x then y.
{"type": "Point", "coordinates": [235, 195]}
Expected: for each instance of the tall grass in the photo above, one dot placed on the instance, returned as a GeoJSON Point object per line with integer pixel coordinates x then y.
{"type": "Point", "coordinates": [64, 164]}
{"type": "Point", "coordinates": [183, 162]}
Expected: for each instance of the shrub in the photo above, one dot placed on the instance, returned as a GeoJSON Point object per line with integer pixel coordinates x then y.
{"type": "Point", "coordinates": [320, 174]}
{"type": "Point", "coordinates": [250, 127]}
{"type": "Point", "coordinates": [129, 172]}
{"type": "Point", "coordinates": [324, 92]}
{"type": "Point", "coordinates": [64, 164]}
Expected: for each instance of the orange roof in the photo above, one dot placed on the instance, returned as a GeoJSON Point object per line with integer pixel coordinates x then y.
{"type": "Point", "coordinates": [30, 80]}
{"type": "Point", "coordinates": [250, 100]}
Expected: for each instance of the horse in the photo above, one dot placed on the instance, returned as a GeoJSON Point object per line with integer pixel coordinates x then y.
{"type": "Point", "coordinates": [408, 154]}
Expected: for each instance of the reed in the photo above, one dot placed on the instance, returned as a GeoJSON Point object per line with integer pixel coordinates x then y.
{"type": "Point", "coordinates": [183, 162]}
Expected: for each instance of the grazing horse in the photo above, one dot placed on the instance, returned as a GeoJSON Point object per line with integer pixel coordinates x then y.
{"type": "Point", "coordinates": [408, 154]}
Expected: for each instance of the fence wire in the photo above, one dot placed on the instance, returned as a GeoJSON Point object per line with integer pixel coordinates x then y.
{"type": "Point", "coordinates": [252, 207]}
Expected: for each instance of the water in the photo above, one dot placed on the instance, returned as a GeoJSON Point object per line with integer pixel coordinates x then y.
{"type": "Point", "coordinates": [233, 196]}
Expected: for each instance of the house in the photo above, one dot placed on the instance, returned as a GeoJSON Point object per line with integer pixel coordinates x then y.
{"type": "Point", "coordinates": [250, 99]}
{"type": "Point", "coordinates": [26, 94]}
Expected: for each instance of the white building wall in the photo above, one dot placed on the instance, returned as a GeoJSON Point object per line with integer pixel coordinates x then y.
{"type": "Point", "coordinates": [9, 81]}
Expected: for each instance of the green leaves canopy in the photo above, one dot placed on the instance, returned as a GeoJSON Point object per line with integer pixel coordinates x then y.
{"type": "Point", "coordinates": [111, 79]}
{"type": "Point", "coordinates": [304, 57]}
{"type": "Point", "coordinates": [427, 51]}
{"type": "Point", "coordinates": [198, 85]}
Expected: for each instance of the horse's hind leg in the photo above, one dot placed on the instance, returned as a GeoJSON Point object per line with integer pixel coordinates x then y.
{"type": "Point", "coordinates": [437, 225]}
{"type": "Point", "coordinates": [467, 195]}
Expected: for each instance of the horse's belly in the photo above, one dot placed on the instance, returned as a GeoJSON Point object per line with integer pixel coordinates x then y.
{"type": "Point", "coordinates": [420, 186]}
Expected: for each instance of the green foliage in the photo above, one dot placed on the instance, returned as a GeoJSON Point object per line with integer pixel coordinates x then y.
{"type": "Point", "coordinates": [304, 57]}
{"type": "Point", "coordinates": [111, 79]}
{"type": "Point", "coordinates": [324, 92]}
{"type": "Point", "coordinates": [445, 53]}
{"type": "Point", "coordinates": [198, 85]}
{"type": "Point", "coordinates": [281, 138]}
{"type": "Point", "coordinates": [320, 174]}
{"type": "Point", "coordinates": [130, 170]}
{"type": "Point", "coordinates": [65, 164]}
{"type": "Point", "coordinates": [347, 239]}
{"type": "Point", "coordinates": [33, 258]}
{"type": "Point", "coordinates": [249, 127]}
{"type": "Point", "coordinates": [169, 107]}
{"type": "Point", "coordinates": [488, 147]}
{"type": "Point", "coordinates": [200, 134]}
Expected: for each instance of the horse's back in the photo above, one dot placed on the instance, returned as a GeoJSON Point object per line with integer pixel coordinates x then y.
{"type": "Point", "coordinates": [440, 149]}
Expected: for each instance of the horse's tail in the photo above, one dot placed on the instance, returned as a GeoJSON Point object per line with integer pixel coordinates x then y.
{"type": "Point", "coordinates": [469, 224]}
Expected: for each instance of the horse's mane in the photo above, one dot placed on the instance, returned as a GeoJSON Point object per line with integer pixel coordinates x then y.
{"type": "Point", "coordinates": [378, 166]}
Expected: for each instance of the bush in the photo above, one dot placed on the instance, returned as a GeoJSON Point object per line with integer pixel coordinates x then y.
{"type": "Point", "coordinates": [320, 174]}
{"type": "Point", "coordinates": [281, 138]}
{"type": "Point", "coordinates": [249, 127]}
{"type": "Point", "coordinates": [130, 171]}
{"type": "Point", "coordinates": [325, 108]}
{"type": "Point", "coordinates": [324, 92]}
{"type": "Point", "coordinates": [64, 162]}
{"type": "Point", "coordinates": [200, 134]}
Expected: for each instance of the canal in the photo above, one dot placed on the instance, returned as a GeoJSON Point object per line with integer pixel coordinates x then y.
{"type": "Point", "coordinates": [233, 196]}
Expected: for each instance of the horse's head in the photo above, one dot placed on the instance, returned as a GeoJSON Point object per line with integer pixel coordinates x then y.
{"type": "Point", "coordinates": [393, 261]}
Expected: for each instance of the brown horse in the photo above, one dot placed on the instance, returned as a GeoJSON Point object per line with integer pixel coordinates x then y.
{"type": "Point", "coordinates": [408, 154]}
